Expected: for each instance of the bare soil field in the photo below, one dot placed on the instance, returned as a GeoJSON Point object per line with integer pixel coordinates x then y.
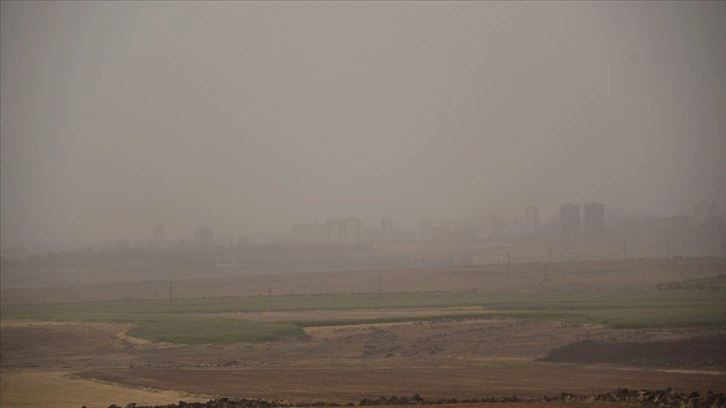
{"type": "Point", "coordinates": [444, 382]}
{"type": "Point", "coordinates": [448, 359]}
{"type": "Point", "coordinates": [696, 351]}
{"type": "Point", "coordinates": [567, 276]}
{"type": "Point", "coordinates": [96, 364]}
{"type": "Point", "coordinates": [42, 389]}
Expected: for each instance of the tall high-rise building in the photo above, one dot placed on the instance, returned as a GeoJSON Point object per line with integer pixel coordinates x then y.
{"type": "Point", "coordinates": [388, 230]}
{"type": "Point", "coordinates": [425, 229]}
{"type": "Point", "coordinates": [203, 235]}
{"type": "Point", "coordinates": [531, 221]}
{"type": "Point", "coordinates": [159, 236]}
{"type": "Point", "coordinates": [594, 217]}
{"type": "Point", "coordinates": [569, 218]}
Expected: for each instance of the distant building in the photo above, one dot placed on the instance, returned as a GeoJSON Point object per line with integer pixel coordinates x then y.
{"type": "Point", "coordinates": [369, 235]}
{"type": "Point", "coordinates": [333, 228]}
{"type": "Point", "coordinates": [497, 226]}
{"type": "Point", "coordinates": [467, 234]}
{"type": "Point", "coordinates": [425, 229]}
{"type": "Point", "coordinates": [203, 235]}
{"type": "Point", "coordinates": [315, 233]}
{"type": "Point", "coordinates": [569, 218]}
{"type": "Point", "coordinates": [457, 230]}
{"type": "Point", "coordinates": [550, 225]}
{"type": "Point", "coordinates": [480, 223]}
{"type": "Point", "coordinates": [444, 234]}
{"type": "Point", "coordinates": [703, 212]}
{"type": "Point", "coordinates": [594, 214]}
{"type": "Point", "coordinates": [13, 252]}
{"type": "Point", "coordinates": [388, 230]}
{"type": "Point", "coordinates": [351, 231]}
{"type": "Point", "coordinates": [159, 236]}
{"type": "Point", "coordinates": [531, 221]}
{"type": "Point", "coordinates": [638, 223]}
{"type": "Point", "coordinates": [343, 231]}
{"type": "Point", "coordinates": [615, 219]}
{"type": "Point", "coordinates": [678, 222]}
{"type": "Point", "coordinates": [405, 236]}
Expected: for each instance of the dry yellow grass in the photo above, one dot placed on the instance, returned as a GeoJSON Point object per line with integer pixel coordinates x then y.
{"type": "Point", "coordinates": [28, 388]}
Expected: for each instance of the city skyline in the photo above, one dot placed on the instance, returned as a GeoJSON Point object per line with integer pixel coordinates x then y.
{"type": "Point", "coordinates": [254, 116]}
{"type": "Point", "coordinates": [352, 230]}
{"type": "Point", "coordinates": [363, 203]}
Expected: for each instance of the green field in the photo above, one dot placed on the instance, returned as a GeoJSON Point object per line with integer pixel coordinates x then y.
{"type": "Point", "coordinates": [179, 321]}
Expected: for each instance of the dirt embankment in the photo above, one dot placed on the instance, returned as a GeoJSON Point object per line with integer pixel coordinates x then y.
{"type": "Point", "coordinates": [462, 359]}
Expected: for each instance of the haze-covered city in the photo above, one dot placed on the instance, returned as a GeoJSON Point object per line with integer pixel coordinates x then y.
{"type": "Point", "coordinates": [309, 203]}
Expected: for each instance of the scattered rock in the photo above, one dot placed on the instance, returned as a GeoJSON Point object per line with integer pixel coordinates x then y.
{"type": "Point", "coordinates": [666, 398]}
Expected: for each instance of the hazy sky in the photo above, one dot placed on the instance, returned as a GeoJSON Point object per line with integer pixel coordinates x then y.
{"type": "Point", "coordinates": [251, 117]}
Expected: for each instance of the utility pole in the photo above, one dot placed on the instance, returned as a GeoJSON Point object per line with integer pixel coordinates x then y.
{"type": "Point", "coordinates": [170, 295]}
{"type": "Point", "coordinates": [269, 299]}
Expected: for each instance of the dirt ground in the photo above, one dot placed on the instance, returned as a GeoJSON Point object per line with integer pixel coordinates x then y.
{"type": "Point", "coordinates": [601, 275]}
{"type": "Point", "coordinates": [33, 388]}
{"type": "Point", "coordinates": [692, 352]}
{"type": "Point", "coordinates": [74, 364]}
{"type": "Point", "coordinates": [447, 359]}
{"type": "Point", "coordinates": [353, 384]}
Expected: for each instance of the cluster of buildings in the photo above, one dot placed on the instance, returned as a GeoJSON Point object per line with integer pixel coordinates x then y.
{"type": "Point", "coordinates": [571, 220]}
{"type": "Point", "coordinates": [347, 231]}
{"type": "Point", "coordinates": [591, 222]}
{"type": "Point", "coordinates": [704, 217]}
{"type": "Point", "coordinates": [594, 219]}
{"type": "Point", "coordinates": [335, 231]}
{"type": "Point", "coordinates": [202, 235]}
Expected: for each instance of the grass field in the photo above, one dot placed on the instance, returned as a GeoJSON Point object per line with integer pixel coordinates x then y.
{"type": "Point", "coordinates": [199, 330]}
{"type": "Point", "coordinates": [179, 321]}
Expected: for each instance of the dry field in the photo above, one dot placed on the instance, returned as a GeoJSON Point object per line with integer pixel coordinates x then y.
{"type": "Point", "coordinates": [60, 389]}
{"type": "Point", "coordinates": [71, 364]}
{"type": "Point", "coordinates": [63, 363]}
{"type": "Point", "coordinates": [568, 276]}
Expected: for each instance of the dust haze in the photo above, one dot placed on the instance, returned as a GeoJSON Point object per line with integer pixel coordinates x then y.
{"type": "Point", "coordinates": [296, 204]}
{"type": "Point", "coordinates": [254, 117]}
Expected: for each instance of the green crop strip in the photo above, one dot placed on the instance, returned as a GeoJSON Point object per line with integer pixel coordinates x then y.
{"type": "Point", "coordinates": [179, 321]}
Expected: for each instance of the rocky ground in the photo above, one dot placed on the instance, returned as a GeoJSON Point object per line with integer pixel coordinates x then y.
{"type": "Point", "coordinates": [666, 398]}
